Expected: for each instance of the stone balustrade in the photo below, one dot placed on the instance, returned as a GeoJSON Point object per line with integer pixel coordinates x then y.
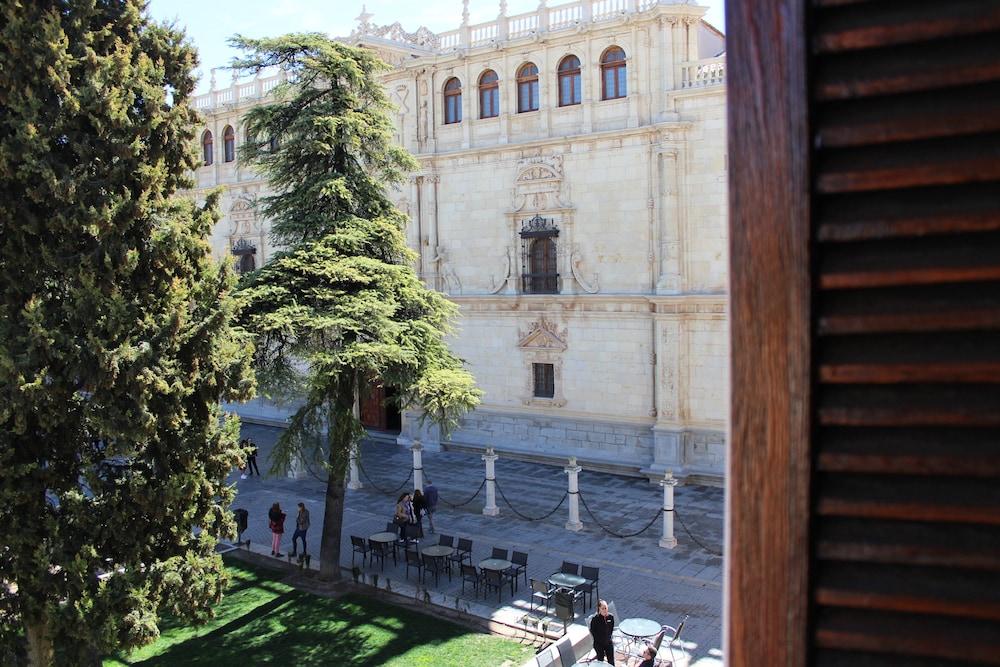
{"type": "Point", "coordinates": [703, 73]}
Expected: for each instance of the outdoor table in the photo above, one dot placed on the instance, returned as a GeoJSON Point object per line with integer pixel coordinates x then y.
{"type": "Point", "coordinates": [639, 628]}
{"type": "Point", "coordinates": [386, 538]}
{"type": "Point", "coordinates": [563, 580]}
{"type": "Point", "coordinates": [592, 663]}
{"type": "Point", "coordinates": [500, 565]}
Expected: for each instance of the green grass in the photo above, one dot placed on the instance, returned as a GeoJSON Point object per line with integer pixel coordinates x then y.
{"type": "Point", "coordinates": [262, 621]}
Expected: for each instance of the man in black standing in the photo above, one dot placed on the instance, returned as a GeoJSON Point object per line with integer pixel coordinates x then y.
{"type": "Point", "coordinates": [252, 458]}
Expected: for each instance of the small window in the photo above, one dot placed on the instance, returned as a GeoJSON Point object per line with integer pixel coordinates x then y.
{"type": "Point", "coordinates": [453, 101]}
{"type": "Point", "coordinates": [545, 380]}
{"type": "Point", "coordinates": [229, 143]}
{"type": "Point", "coordinates": [207, 149]}
{"type": "Point", "coordinates": [527, 88]}
{"type": "Point", "coordinates": [489, 95]}
{"type": "Point", "coordinates": [569, 81]}
{"type": "Point", "coordinates": [613, 74]}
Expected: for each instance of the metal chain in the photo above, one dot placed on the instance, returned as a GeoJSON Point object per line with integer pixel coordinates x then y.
{"type": "Point", "coordinates": [376, 487]}
{"type": "Point", "coordinates": [695, 539]}
{"type": "Point", "coordinates": [656, 516]}
{"type": "Point", "coordinates": [462, 504]}
{"type": "Point", "coordinates": [525, 516]}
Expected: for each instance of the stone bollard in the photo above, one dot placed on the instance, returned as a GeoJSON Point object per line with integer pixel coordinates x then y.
{"type": "Point", "coordinates": [491, 508]}
{"type": "Point", "coordinates": [418, 464]}
{"type": "Point", "coordinates": [354, 482]}
{"type": "Point", "coordinates": [668, 541]}
{"type": "Point", "coordinates": [574, 495]}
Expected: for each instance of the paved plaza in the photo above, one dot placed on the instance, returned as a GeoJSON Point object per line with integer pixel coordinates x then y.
{"type": "Point", "coordinates": [641, 578]}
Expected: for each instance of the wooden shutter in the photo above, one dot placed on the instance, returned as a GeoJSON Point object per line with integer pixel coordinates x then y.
{"type": "Point", "coordinates": [868, 456]}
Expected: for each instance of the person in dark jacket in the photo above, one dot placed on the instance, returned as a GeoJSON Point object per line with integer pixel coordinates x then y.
{"type": "Point", "coordinates": [419, 509]}
{"type": "Point", "coordinates": [252, 458]}
{"type": "Point", "coordinates": [301, 526]}
{"type": "Point", "coordinates": [276, 521]}
{"type": "Point", "coordinates": [431, 496]}
{"type": "Point", "coordinates": [648, 656]}
{"type": "Point", "coordinates": [601, 627]}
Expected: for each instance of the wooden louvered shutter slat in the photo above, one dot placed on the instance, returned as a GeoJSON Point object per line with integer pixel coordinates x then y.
{"type": "Point", "coordinates": [899, 427]}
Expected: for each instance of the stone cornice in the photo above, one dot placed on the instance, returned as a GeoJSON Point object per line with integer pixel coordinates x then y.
{"type": "Point", "coordinates": [713, 306]}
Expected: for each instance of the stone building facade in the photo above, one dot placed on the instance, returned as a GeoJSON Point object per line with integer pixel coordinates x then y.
{"type": "Point", "coordinates": [571, 199]}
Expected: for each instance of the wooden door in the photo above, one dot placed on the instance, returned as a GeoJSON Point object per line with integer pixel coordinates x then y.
{"type": "Point", "coordinates": [372, 412]}
{"type": "Point", "coordinates": [864, 481]}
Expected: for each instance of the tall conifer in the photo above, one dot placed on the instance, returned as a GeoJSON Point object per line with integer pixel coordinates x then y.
{"type": "Point", "coordinates": [115, 336]}
{"type": "Point", "coordinates": [340, 306]}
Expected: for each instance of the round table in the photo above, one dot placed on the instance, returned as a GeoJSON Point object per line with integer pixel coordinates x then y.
{"type": "Point", "coordinates": [384, 538]}
{"type": "Point", "coordinates": [437, 551]}
{"type": "Point", "coordinates": [640, 628]}
{"type": "Point", "coordinates": [563, 580]}
{"type": "Point", "coordinates": [495, 564]}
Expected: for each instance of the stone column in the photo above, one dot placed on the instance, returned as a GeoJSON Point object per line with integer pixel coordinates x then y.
{"type": "Point", "coordinates": [491, 508]}
{"type": "Point", "coordinates": [572, 470]}
{"type": "Point", "coordinates": [668, 541]}
{"type": "Point", "coordinates": [354, 482]}
{"type": "Point", "coordinates": [418, 464]}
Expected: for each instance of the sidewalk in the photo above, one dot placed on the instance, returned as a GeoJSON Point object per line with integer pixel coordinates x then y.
{"type": "Point", "coordinates": [643, 579]}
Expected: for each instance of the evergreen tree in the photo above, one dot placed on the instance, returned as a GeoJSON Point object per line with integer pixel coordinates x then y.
{"type": "Point", "coordinates": [116, 342]}
{"type": "Point", "coordinates": [340, 305]}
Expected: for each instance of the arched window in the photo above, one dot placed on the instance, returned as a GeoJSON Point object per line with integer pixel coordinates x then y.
{"type": "Point", "coordinates": [542, 275]}
{"type": "Point", "coordinates": [453, 101]}
{"type": "Point", "coordinates": [613, 74]}
{"type": "Point", "coordinates": [206, 147]}
{"type": "Point", "coordinates": [527, 88]}
{"type": "Point", "coordinates": [489, 95]}
{"type": "Point", "coordinates": [229, 143]}
{"type": "Point", "coordinates": [569, 81]}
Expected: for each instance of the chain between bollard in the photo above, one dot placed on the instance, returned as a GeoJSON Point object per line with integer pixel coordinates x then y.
{"type": "Point", "coordinates": [607, 530]}
{"type": "Point", "coordinates": [525, 516]}
{"type": "Point", "coordinates": [376, 487]}
{"type": "Point", "coordinates": [695, 539]}
{"type": "Point", "coordinates": [466, 502]}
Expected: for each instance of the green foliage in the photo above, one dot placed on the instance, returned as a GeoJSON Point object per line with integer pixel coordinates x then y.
{"type": "Point", "coordinates": [340, 305]}
{"type": "Point", "coordinates": [116, 342]}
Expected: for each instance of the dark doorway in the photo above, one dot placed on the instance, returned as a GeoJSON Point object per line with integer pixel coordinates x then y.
{"type": "Point", "coordinates": [379, 411]}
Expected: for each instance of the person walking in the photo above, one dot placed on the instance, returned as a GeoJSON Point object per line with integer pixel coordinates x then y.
{"type": "Point", "coordinates": [252, 458]}
{"type": "Point", "coordinates": [301, 526]}
{"type": "Point", "coordinates": [404, 513]}
{"type": "Point", "coordinates": [431, 496]}
{"type": "Point", "coordinates": [601, 627]}
{"type": "Point", "coordinates": [276, 521]}
{"type": "Point", "coordinates": [419, 509]}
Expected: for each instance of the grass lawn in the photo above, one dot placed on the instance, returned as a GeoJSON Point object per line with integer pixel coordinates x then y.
{"type": "Point", "coordinates": [262, 621]}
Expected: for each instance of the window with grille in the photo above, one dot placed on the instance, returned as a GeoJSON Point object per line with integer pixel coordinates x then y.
{"type": "Point", "coordinates": [545, 380]}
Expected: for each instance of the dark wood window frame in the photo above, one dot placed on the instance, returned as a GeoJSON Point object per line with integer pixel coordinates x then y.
{"type": "Point", "coordinates": [229, 143]}
{"type": "Point", "coordinates": [452, 101]}
{"type": "Point", "coordinates": [544, 380]}
{"type": "Point", "coordinates": [613, 62]}
{"type": "Point", "coordinates": [207, 148]}
{"type": "Point", "coordinates": [527, 88]}
{"type": "Point", "coordinates": [570, 70]}
{"type": "Point", "coordinates": [489, 94]}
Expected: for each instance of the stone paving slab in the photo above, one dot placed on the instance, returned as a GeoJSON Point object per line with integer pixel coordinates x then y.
{"type": "Point", "coordinates": [642, 578]}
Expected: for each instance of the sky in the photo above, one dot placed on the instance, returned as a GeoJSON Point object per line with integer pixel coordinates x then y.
{"type": "Point", "coordinates": [210, 23]}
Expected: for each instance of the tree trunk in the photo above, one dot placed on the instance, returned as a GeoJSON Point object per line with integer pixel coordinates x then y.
{"type": "Point", "coordinates": [343, 426]}
{"type": "Point", "coordinates": [41, 651]}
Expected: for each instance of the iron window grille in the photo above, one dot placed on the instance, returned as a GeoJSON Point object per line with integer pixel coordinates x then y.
{"type": "Point", "coordinates": [538, 256]}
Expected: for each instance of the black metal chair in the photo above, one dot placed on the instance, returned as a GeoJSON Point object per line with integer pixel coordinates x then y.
{"type": "Point", "coordinates": [540, 591]}
{"type": "Point", "coordinates": [567, 597]}
{"type": "Point", "coordinates": [565, 608]}
{"type": "Point", "coordinates": [570, 568]}
{"type": "Point", "coordinates": [446, 540]}
{"type": "Point", "coordinates": [462, 552]}
{"type": "Point", "coordinates": [470, 574]}
{"type": "Point", "coordinates": [359, 546]}
{"type": "Point", "coordinates": [392, 527]}
{"type": "Point", "coordinates": [492, 579]}
{"type": "Point", "coordinates": [377, 550]}
{"type": "Point", "coordinates": [413, 559]}
{"type": "Point", "coordinates": [499, 553]}
{"type": "Point", "coordinates": [437, 565]}
{"type": "Point", "coordinates": [592, 575]}
{"type": "Point", "coordinates": [520, 561]}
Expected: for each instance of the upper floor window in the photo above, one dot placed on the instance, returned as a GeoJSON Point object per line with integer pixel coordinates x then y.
{"type": "Point", "coordinates": [569, 81]}
{"type": "Point", "coordinates": [229, 143]}
{"type": "Point", "coordinates": [207, 147]}
{"type": "Point", "coordinates": [527, 88]}
{"type": "Point", "coordinates": [489, 95]}
{"type": "Point", "coordinates": [453, 101]}
{"type": "Point", "coordinates": [613, 74]}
